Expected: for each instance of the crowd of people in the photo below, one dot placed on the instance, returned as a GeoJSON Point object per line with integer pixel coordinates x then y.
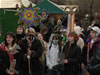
{"type": "Point", "coordinates": [51, 51]}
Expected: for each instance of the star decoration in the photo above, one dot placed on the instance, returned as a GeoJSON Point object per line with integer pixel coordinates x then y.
{"type": "Point", "coordinates": [29, 16]}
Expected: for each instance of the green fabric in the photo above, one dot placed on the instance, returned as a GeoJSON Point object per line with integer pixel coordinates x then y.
{"type": "Point", "coordinates": [50, 8]}
{"type": "Point", "coordinates": [8, 22]}
{"type": "Point", "coordinates": [64, 39]}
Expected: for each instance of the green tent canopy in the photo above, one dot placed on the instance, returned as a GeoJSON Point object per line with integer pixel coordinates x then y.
{"type": "Point", "coordinates": [49, 7]}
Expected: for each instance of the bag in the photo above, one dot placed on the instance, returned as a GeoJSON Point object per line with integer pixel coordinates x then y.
{"type": "Point", "coordinates": [58, 67]}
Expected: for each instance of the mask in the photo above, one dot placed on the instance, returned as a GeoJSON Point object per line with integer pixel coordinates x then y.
{"type": "Point", "coordinates": [31, 37]}
{"type": "Point", "coordinates": [55, 42]}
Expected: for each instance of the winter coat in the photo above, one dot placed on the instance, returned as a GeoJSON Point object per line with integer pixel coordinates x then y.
{"type": "Point", "coordinates": [3, 67]}
{"type": "Point", "coordinates": [73, 55]}
{"type": "Point", "coordinates": [5, 59]}
{"type": "Point", "coordinates": [94, 63]}
{"type": "Point", "coordinates": [36, 49]}
{"type": "Point", "coordinates": [91, 50]}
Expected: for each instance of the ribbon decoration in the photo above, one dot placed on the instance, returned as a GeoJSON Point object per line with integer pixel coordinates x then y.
{"type": "Point", "coordinates": [71, 22]}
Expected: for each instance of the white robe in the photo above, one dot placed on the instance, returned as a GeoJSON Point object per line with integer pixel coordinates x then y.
{"type": "Point", "coordinates": [52, 56]}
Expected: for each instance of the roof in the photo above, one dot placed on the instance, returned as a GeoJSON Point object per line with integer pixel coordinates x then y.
{"type": "Point", "coordinates": [50, 7]}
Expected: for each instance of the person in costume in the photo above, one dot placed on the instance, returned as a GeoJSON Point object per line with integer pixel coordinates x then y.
{"type": "Point", "coordinates": [72, 55]}
{"type": "Point", "coordinates": [32, 49]}
{"type": "Point", "coordinates": [90, 47]}
{"type": "Point", "coordinates": [54, 47]}
{"type": "Point", "coordinates": [94, 63]}
{"type": "Point", "coordinates": [11, 59]}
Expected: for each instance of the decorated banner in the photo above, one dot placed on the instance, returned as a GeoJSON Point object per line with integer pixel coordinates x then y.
{"type": "Point", "coordinates": [29, 16]}
{"type": "Point", "coordinates": [70, 25]}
